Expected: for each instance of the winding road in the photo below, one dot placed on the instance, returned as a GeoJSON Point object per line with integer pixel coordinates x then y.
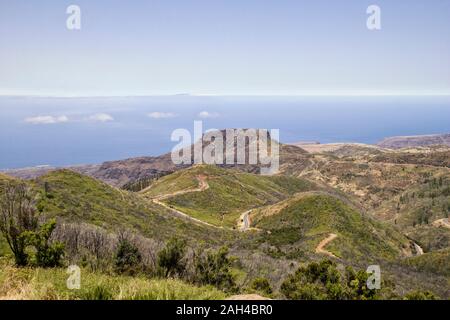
{"type": "Point", "coordinates": [202, 186]}
{"type": "Point", "coordinates": [320, 247]}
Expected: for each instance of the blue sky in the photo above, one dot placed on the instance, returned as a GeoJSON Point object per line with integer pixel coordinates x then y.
{"type": "Point", "coordinates": [225, 47]}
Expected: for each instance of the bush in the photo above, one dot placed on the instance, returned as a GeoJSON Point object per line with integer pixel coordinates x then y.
{"type": "Point", "coordinates": [48, 255]}
{"type": "Point", "coordinates": [170, 260]}
{"type": "Point", "coordinates": [316, 281]}
{"type": "Point", "coordinates": [420, 295]}
{"type": "Point", "coordinates": [319, 281]}
{"type": "Point", "coordinates": [213, 268]}
{"type": "Point", "coordinates": [261, 285]}
{"type": "Point", "coordinates": [128, 259]}
{"type": "Point", "coordinates": [357, 285]}
{"type": "Point", "coordinates": [17, 216]}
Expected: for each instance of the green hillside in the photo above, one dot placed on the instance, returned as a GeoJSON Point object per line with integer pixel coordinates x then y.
{"type": "Point", "coordinates": [78, 198]}
{"type": "Point", "coordinates": [437, 262]}
{"type": "Point", "coordinates": [306, 220]}
{"type": "Point", "coordinates": [229, 192]}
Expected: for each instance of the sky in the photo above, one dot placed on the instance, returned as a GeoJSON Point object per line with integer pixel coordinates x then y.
{"type": "Point", "coordinates": [224, 47]}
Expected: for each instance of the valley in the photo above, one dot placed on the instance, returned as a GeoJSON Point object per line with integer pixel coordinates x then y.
{"type": "Point", "coordinates": [354, 204]}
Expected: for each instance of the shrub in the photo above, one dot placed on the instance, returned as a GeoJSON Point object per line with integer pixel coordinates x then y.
{"type": "Point", "coordinates": [316, 281]}
{"type": "Point", "coordinates": [357, 285]}
{"type": "Point", "coordinates": [261, 285]}
{"type": "Point", "coordinates": [170, 260]}
{"type": "Point", "coordinates": [420, 295]}
{"type": "Point", "coordinates": [17, 216]}
{"type": "Point", "coordinates": [213, 268]}
{"type": "Point", "coordinates": [128, 259]}
{"type": "Point", "coordinates": [48, 255]}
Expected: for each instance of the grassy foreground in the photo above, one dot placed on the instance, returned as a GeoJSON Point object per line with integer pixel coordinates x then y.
{"type": "Point", "coordinates": [50, 284]}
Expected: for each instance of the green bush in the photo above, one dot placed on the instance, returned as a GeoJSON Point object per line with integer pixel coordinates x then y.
{"type": "Point", "coordinates": [213, 267]}
{"type": "Point", "coordinates": [261, 285]}
{"type": "Point", "coordinates": [128, 259]}
{"type": "Point", "coordinates": [420, 295]}
{"type": "Point", "coordinates": [171, 262]}
{"type": "Point", "coordinates": [48, 255]}
{"type": "Point", "coordinates": [357, 285]}
{"type": "Point", "coordinates": [316, 281]}
{"type": "Point", "coordinates": [18, 215]}
{"type": "Point", "coordinates": [319, 281]}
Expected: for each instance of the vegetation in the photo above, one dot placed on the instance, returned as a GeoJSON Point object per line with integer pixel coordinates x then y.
{"type": "Point", "coordinates": [48, 254]}
{"type": "Point", "coordinates": [17, 216]}
{"type": "Point", "coordinates": [230, 192]}
{"type": "Point", "coordinates": [75, 198]}
{"type": "Point", "coordinates": [437, 262]}
{"type": "Point", "coordinates": [420, 295]}
{"type": "Point", "coordinates": [322, 280]}
{"type": "Point", "coordinates": [309, 219]}
{"type": "Point", "coordinates": [128, 246]}
{"type": "Point", "coordinates": [171, 261]}
{"type": "Point", "coordinates": [261, 285]}
{"type": "Point", "coordinates": [213, 268]}
{"type": "Point", "coordinates": [50, 284]}
{"type": "Point", "coordinates": [128, 259]}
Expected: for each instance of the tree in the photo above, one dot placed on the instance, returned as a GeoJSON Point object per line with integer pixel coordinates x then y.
{"type": "Point", "coordinates": [319, 281]}
{"type": "Point", "coordinates": [127, 259]}
{"type": "Point", "coordinates": [357, 285]}
{"type": "Point", "coordinates": [261, 285]}
{"type": "Point", "coordinates": [213, 267]}
{"type": "Point", "coordinates": [17, 216]}
{"type": "Point", "coordinates": [48, 254]}
{"type": "Point", "coordinates": [171, 259]}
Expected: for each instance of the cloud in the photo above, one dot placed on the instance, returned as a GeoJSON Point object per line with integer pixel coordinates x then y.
{"type": "Point", "coordinates": [46, 119]}
{"type": "Point", "coordinates": [206, 114]}
{"type": "Point", "coordinates": [162, 115]}
{"type": "Point", "coordinates": [100, 117]}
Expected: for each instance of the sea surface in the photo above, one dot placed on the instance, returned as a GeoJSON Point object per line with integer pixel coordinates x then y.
{"type": "Point", "coordinates": [92, 130]}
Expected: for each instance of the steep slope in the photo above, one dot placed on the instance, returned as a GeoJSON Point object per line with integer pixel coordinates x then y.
{"type": "Point", "coordinates": [304, 221]}
{"type": "Point", "coordinates": [77, 198]}
{"type": "Point", "coordinates": [228, 194]}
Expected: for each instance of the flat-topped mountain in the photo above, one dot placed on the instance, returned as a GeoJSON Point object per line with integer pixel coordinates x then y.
{"type": "Point", "coordinates": [415, 141]}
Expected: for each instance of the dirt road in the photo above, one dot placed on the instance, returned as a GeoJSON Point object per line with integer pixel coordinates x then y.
{"type": "Point", "coordinates": [442, 223]}
{"type": "Point", "coordinates": [320, 247]}
{"type": "Point", "coordinates": [202, 186]}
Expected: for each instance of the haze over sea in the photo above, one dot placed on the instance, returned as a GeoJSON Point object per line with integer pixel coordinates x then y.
{"type": "Point", "coordinates": [67, 131]}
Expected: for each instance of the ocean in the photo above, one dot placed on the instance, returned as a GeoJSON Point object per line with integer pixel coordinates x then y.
{"type": "Point", "coordinates": [68, 131]}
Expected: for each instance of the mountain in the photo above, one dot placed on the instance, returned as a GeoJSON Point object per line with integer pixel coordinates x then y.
{"type": "Point", "coordinates": [126, 172]}
{"type": "Point", "coordinates": [76, 198]}
{"type": "Point", "coordinates": [226, 193]}
{"type": "Point", "coordinates": [305, 220]}
{"type": "Point", "coordinates": [415, 141]}
{"type": "Point", "coordinates": [355, 204]}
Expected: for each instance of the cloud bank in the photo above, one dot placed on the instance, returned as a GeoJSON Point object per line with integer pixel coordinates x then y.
{"type": "Point", "coordinates": [161, 115]}
{"type": "Point", "coordinates": [46, 119]}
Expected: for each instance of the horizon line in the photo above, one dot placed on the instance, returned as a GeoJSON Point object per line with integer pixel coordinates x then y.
{"type": "Point", "coordinates": [339, 94]}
